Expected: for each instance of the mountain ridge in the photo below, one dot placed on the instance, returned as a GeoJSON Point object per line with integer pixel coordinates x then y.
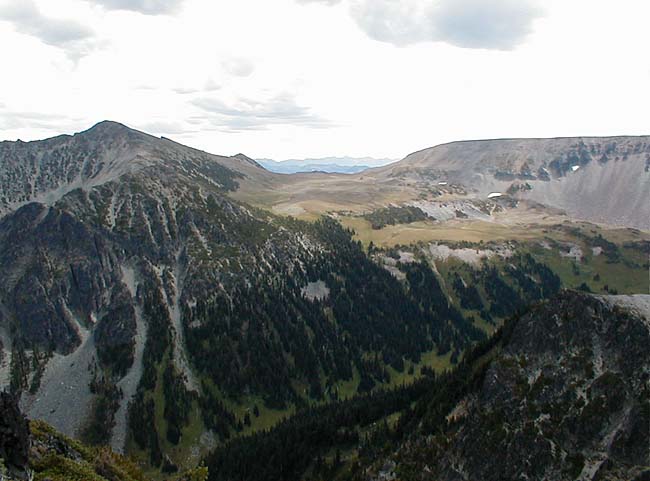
{"type": "Point", "coordinates": [343, 165]}
{"type": "Point", "coordinates": [152, 298]}
{"type": "Point", "coordinates": [569, 173]}
{"type": "Point", "coordinates": [50, 168]}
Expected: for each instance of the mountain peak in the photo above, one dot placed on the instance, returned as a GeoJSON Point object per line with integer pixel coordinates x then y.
{"type": "Point", "coordinates": [108, 125]}
{"type": "Point", "coordinates": [246, 158]}
{"type": "Point", "coordinates": [104, 153]}
{"type": "Point", "coordinates": [110, 128]}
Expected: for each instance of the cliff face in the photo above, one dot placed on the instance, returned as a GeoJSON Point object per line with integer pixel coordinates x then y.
{"type": "Point", "coordinates": [567, 398]}
{"type": "Point", "coordinates": [602, 179]}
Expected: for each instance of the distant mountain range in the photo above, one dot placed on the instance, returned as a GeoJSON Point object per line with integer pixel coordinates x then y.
{"type": "Point", "coordinates": [340, 165]}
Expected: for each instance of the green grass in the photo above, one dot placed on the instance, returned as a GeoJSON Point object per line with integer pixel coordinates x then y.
{"type": "Point", "coordinates": [428, 231]}
{"type": "Point", "coordinates": [626, 277]}
{"type": "Point", "coordinates": [186, 455]}
{"type": "Point", "coordinates": [430, 359]}
{"type": "Point", "coordinates": [348, 389]}
{"type": "Point", "coordinates": [267, 419]}
{"type": "Point", "coordinates": [94, 464]}
{"type": "Point", "coordinates": [479, 322]}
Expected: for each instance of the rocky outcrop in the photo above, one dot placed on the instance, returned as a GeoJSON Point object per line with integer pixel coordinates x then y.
{"type": "Point", "coordinates": [602, 179]}
{"type": "Point", "coordinates": [567, 398]}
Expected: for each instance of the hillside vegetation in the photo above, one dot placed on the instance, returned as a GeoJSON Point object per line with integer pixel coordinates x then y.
{"type": "Point", "coordinates": [544, 394]}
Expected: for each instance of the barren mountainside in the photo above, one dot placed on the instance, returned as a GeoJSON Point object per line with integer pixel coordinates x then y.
{"type": "Point", "coordinates": [46, 170]}
{"type": "Point", "coordinates": [603, 179]}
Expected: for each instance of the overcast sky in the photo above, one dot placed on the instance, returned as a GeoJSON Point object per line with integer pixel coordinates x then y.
{"type": "Point", "coordinates": [310, 78]}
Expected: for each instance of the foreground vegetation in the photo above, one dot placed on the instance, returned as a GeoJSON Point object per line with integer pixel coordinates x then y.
{"type": "Point", "coordinates": [47, 455]}
{"type": "Point", "coordinates": [333, 441]}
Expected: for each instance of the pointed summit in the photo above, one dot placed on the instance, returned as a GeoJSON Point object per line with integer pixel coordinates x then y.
{"type": "Point", "coordinates": [110, 128]}
{"type": "Point", "coordinates": [245, 158]}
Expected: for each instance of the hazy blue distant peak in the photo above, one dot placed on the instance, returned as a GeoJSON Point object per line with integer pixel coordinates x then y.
{"type": "Point", "coordinates": [345, 165]}
{"type": "Point", "coordinates": [281, 168]}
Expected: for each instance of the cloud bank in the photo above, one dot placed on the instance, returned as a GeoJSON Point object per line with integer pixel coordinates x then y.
{"type": "Point", "coordinates": [326, 2]}
{"type": "Point", "coordinates": [74, 37]}
{"type": "Point", "coordinates": [239, 67]}
{"type": "Point", "coordinates": [147, 7]}
{"type": "Point", "coordinates": [249, 114]}
{"type": "Point", "coordinates": [481, 24]}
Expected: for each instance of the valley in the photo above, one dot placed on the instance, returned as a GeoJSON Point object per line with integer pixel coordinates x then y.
{"type": "Point", "coordinates": [520, 396]}
{"type": "Point", "coordinates": [184, 307]}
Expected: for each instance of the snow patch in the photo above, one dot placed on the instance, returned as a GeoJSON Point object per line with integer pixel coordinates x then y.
{"type": "Point", "coordinates": [316, 291]}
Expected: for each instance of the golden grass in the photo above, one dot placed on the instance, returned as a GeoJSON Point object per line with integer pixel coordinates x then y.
{"type": "Point", "coordinates": [451, 231]}
{"type": "Point", "coordinates": [477, 231]}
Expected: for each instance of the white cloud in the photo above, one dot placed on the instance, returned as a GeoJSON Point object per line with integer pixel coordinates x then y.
{"type": "Point", "coordinates": [14, 119]}
{"type": "Point", "coordinates": [239, 67]}
{"type": "Point", "coordinates": [326, 2]}
{"type": "Point", "coordinates": [491, 24]}
{"type": "Point", "coordinates": [211, 85]}
{"type": "Point", "coordinates": [147, 7]}
{"type": "Point", "coordinates": [485, 24]}
{"type": "Point", "coordinates": [343, 92]}
{"type": "Point", "coordinates": [164, 127]}
{"type": "Point", "coordinates": [186, 90]}
{"type": "Point", "coordinates": [70, 35]}
{"type": "Point", "coordinates": [399, 23]}
{"type": "Point", "coordinates": [251, 114]}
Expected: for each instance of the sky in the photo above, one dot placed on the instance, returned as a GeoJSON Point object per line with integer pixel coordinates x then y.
{"type": "Point", "coordinates": [312, 78]}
